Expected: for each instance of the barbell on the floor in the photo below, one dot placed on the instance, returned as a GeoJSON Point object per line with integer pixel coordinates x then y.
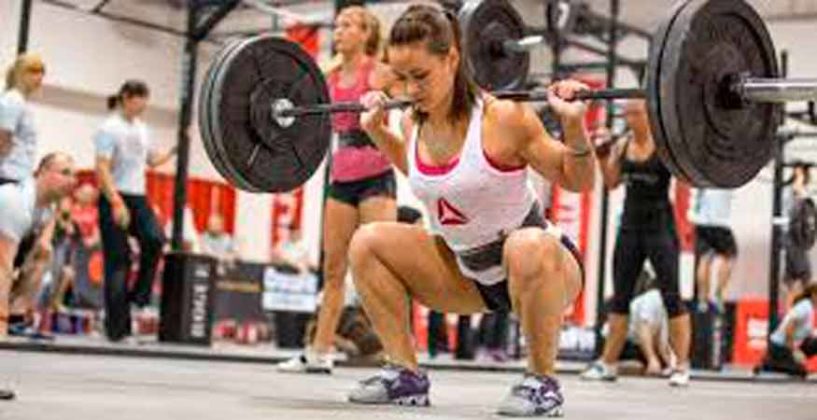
{"type": "Point", "coordinates": [711, 88]}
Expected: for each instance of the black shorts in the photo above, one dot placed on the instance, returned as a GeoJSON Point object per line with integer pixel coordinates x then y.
{"type": "Point", "coordinates": [715, 240]}
{"type": "Point", "coordinates": [634, 246]}
{"type": "Point", "coordinates": [798, 265]}
{"type": "Point", "coordinates": [496, 296]}
{"type": "Point", "coordinates": [352, 193]}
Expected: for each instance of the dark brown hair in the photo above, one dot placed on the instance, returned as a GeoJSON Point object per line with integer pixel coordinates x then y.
{"type": "Point", "coordinates": [808, 293]}
{"type": "Point", "coordinates": [128, 89]}
{"type": "Point", "coordinates": [439, 31]}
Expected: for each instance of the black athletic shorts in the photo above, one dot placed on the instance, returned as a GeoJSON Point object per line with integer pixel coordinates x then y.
{"type": "Point", "coordinates": [352, 193]}
{"type": "Point", "coordinates": [715, 239]}
{"type": "Point", "coordinates": [798, 265]}
{"type": "Point", "coordinates": [496, 296]}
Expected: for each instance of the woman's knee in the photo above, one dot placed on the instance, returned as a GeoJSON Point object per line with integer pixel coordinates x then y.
{"type": "Point", "coordinates": [673, 303]}
{"type": "Point", "coordinates": [531, 254]}
{"type": "Point", "coordinates": [152, 243]}
{"type": "Point", "coordinates": [367, 240]}
{"type": "Point", "coordinates": [365, 243]}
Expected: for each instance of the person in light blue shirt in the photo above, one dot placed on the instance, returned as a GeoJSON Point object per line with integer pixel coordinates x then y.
{"type": "Point", "coordinates": [715, 244]}
{"type": "Point", "coordinates": [123, 154]}
{"type": "Point", "coordinates": [18, 135]}
{"type": "Point", "coordinates": [793, 341]}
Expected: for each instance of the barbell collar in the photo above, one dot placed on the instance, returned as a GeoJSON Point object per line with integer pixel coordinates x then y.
{"type": "Point", "coordinates": [526, 44]}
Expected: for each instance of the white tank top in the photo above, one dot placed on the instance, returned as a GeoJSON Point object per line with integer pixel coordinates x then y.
{"type": "Point", "coordinates": [471, 202]}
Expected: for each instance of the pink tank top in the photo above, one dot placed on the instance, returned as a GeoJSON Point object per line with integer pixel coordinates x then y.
{"type": "Point", "coordinates": [353, 163]}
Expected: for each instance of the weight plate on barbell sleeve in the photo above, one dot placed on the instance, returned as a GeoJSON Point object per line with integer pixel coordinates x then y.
{"type": "Point", "coordinates": [711, 138]}
{"type": "Point", "coordinates": [485, 27]}
{"type": "Point", "coordinates": [257, 153]}
{"type": "Point", "coordinates": [204, 101]}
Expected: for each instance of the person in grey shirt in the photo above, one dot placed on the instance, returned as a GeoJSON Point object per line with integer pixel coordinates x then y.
{"type": "Point", "coordinates": [18, 136]}
{"type": "Point", "coordinates": [797, 269]}
{"type": "Point", "coordinates": [793, 341]}
{"type": "Point", "coordinates": [123, 154]}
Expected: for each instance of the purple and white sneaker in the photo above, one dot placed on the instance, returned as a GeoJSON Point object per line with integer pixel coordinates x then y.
{"type": "Point", "coordinates": [393, 385]}
{"type": "Point", "coordinates": [535, 395]}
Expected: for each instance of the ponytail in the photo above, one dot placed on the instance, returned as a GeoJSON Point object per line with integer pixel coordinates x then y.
{"type": "Point", "coordinates": [113, 100]}
{"type": "Point", "coordinates": [128, 89]}
{"type": "Point", "coordinates": [808, 293]}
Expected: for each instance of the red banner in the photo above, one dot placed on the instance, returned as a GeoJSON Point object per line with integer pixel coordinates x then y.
{"type": "Point", "coordinates": [751, 323]}
{"type": "Point", "coordinates": [203, 197]}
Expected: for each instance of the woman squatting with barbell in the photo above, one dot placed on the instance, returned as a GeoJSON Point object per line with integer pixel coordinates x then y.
{"type": "Point", "coordinates": [466, 155]}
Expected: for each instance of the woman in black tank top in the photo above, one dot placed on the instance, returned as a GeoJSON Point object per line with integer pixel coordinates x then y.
{"type": "Point", "coordinates": [647, 231]}
{"type": "Point", "coordinates": [646, 203]}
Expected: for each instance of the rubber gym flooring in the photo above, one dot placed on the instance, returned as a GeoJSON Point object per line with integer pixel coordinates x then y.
{"type": "Point", "coordinates": [66, 386]}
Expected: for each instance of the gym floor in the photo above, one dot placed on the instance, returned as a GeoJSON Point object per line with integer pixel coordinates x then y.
{"type": "Point", "coordinates": [54, 385]}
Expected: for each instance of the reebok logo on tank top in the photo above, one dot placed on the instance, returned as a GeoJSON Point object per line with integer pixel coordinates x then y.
{"type": "Point", "coordinates": [448, 215]}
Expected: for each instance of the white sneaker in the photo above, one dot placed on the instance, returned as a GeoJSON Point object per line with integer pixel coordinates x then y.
{"type": "Point", "coordinates": [308, 362]}
{"type": "Point", "coordinates": [599, 371]}
{"type": "Point", "coordinates": [679, 378]}
{"type": "Point", "coordinates": [140, 316]}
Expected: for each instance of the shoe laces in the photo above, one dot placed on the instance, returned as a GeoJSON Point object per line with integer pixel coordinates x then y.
{"type": "Point", "coordinates": [387, 373]}
{"type": "Point", "coordinates": [538, 389]}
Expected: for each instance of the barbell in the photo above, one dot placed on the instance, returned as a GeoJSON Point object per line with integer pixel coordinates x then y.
{"type": "Point", "coordinates": [712, 91]}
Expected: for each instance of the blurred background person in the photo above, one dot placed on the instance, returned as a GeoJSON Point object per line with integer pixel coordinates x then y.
{"type": "Point", "coordinates": [124, 151]}
{"type": "Point", "coordinates": [18, 134]}
{"type": "Point", "coordinates": [216, 241]}
{"type": "Point", "coordinates": [793, 341]}
{"type": "Point", "coordinates": [715, 245]}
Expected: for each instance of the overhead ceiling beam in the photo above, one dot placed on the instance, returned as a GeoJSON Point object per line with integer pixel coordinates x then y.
{"type": "Point", "coordinates": [203, 28]}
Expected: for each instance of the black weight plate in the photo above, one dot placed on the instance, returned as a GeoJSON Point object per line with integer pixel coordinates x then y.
{"type": "Point", "coordinates": [715, 142]}
{"type": "Point", "coordinates": [652, 87]}
{"type": "Point", "coordinates": [235, 177]}
{"type": "Point", "coordinates": [259, 155]}
{"type": "Point", "coordinates": [485, 25]}
{"type": "Point", "coordinates": [205, 95]}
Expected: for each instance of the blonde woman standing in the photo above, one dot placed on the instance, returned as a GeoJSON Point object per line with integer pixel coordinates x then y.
{"type": "Point", "coordinates": [362, 187]}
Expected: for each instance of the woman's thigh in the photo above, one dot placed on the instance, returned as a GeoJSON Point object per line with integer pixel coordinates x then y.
{"type": "Point", "coordinates": [339, 223]}
{"type": "Point", "coordinates": [424, 264]}
{"type": "Point", "coordinates": [377, 209]}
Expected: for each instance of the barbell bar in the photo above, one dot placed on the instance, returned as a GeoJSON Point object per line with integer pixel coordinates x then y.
{"type": "Point", "coordinates": [284, 112]}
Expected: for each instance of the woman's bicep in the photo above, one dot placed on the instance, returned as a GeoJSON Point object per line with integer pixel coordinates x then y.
{"type": "Point", "coordinates": [538, 148]}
